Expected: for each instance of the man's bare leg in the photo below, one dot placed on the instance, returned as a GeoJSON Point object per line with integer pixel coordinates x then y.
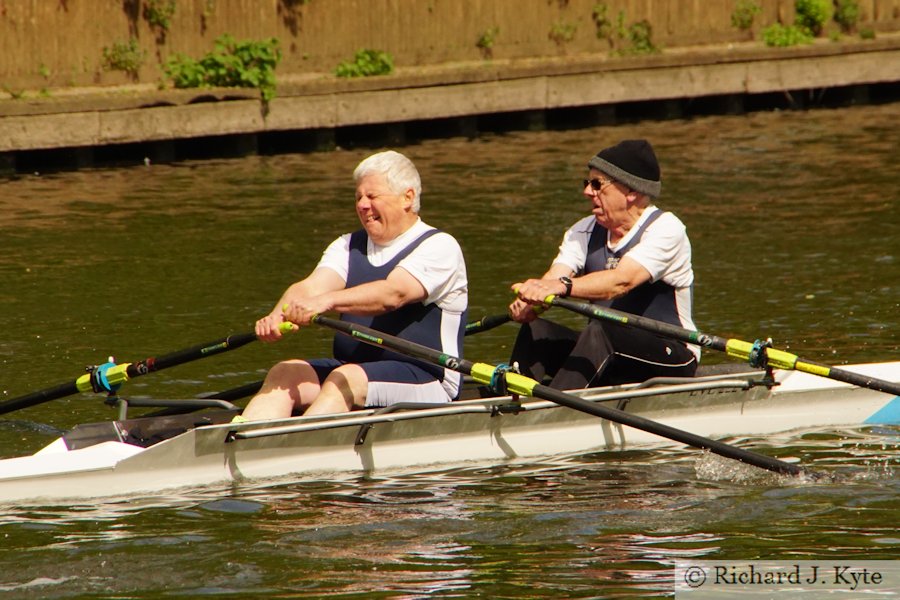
{"type": "Point", "coordinates": [344, 389]}
{"type": "Point", "coordinates": [286, 386]}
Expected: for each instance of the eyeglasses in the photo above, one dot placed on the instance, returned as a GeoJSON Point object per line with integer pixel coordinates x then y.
{"type": "Point", "coordinates": [596, 184]}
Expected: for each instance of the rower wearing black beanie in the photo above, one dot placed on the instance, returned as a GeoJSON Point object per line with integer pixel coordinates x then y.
{"type": "Point", "coordinates": [628, 255]}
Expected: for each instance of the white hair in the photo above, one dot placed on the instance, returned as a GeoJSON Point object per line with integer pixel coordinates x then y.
{"type": "Point", "coordinates": [398, 171]}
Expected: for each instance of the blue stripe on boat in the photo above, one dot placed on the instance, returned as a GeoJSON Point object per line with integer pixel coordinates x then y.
{"type": "Point", "coordinates": [889, 414]}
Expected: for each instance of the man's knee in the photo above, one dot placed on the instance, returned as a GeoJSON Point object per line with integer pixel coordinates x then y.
{"type": "Point", "coordinates": [350, 382]}
{"type": "Point", "coordinates": [290, 372]}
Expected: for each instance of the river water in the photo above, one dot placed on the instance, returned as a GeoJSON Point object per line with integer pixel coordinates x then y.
{"type": "Point", "coordinates": [796, 232]}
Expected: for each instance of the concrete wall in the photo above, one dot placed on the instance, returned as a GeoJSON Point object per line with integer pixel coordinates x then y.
{"type": "Point", "coordinates": [59, 43]}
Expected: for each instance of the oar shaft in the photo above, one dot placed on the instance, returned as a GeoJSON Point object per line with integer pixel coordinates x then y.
{"type": "Point", "coordinates": [850, 377]}
{"type": "Point", "coordinates": [526, 386]}
{"type": "Point", "coordinates": [121, 373]}
{"type": "Point", "coordinates": [39, 397]}
{"type": "Point", "coordinates": [785, 360]}
{"type": "Point", "coordinates": [660, 429]}
{"type": "Point", "coordinates": [778, 359]}
{"type": "Point", "coordinates": [152, 364]}
{"type": "Point", "coordinates": [377, 338]}
{"type": "Point", "coordinates": [486, 323]}
{"type": "Point", "coordinates": [672, 331]}
{"type": "Point", "coordinates": [248, 389]}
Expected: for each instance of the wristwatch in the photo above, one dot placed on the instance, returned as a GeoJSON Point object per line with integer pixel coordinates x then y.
{"type": "Point", "coordinates": [567, 281]}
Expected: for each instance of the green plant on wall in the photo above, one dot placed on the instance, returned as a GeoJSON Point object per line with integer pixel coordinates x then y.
{"type": "Point", "coordinates": [846, 14]}
{"type": "Point", "coordinates": [232, 63]}
{"type": "Point", "coordinates": [781, 36]}
{"type": "Point", "coordinates": [14, 94]}
{"type": "Point", "coordinates": [486, 41]}
{"type": "Point", "coordinates": [624, 39]}
{"type": "Point", "coordinates": [159, 13]}
{"type": "Point", "coordinates": [812, 15]}
{"type": "Point", "coordinates": [127, 57]}
{"type": "Point", "coordinates": [745, 12]}
{"type": "Point", "coordinates": [601, 21]}
{"type": "Point", "coordinates": [562, 33]}
{"type": "Point", "coordinates": [640, 38]}
{"type": "Point", "coordinates": [44, 71]}
{"type": "Point", "coordinates": [811, 18]}
{"type": "Point", "coordinates": [366, 63]}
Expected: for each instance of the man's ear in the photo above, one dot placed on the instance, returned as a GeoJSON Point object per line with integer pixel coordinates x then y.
{"type": "Point", "coordinates": [408, 199]}
{"type": "Point", "coordinates": [634, 197]}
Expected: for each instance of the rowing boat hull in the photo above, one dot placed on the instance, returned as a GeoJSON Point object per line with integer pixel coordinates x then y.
{"type": "Point", "coordinates": [490, 431]}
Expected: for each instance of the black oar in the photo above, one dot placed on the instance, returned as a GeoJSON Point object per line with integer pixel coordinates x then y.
{"type": "Point", "coordinates": [519, 384]}
{"type": "Point", "coordinates": [113, 376]}
{"type": "Point", "coordinates": [757, 354]}
{"type": "Point", "coordinates": [486, 323]}
{"type": "Point", "coordinates": [248, 389]}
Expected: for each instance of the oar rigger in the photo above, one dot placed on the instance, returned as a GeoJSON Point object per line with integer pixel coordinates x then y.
{"type": "Point", "coordinates": [498, 384]}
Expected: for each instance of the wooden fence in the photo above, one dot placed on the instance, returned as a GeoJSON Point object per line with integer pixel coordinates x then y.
{"type": "Point", "coordinates": [60, 43]}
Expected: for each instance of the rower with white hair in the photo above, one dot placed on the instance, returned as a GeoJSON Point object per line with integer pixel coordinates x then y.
{"type": "Point", "coordinates": [397, 275]}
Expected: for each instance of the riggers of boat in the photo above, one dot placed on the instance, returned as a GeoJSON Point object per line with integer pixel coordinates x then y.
{"type": "Point", "coordinates": [152, 455]}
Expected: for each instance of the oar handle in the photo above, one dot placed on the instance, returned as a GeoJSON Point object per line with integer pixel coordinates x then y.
{"type": "Point", "coordinates": [231, 342]}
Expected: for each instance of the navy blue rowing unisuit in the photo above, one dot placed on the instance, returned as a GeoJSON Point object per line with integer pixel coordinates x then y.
{"type": "Point", "coordinates": [417, 322]}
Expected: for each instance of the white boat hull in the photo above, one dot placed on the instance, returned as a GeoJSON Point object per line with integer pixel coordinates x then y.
{"type": "Point", "coordinates": [473, 431]}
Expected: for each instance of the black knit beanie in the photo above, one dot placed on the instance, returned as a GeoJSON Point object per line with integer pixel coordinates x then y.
{"type": "Point", "coordinates": [633, 163]}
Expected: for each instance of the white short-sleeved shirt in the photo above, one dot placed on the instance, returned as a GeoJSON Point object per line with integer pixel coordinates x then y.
{"type": "Point", "coordinates": [664, 250]}
{"type": "Point", "coordinates": [437, 264]}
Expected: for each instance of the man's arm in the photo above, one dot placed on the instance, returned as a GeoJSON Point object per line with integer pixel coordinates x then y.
{"type": "Point", "coordinates": [320, 281]}
{"type": "Point", "coordinates": [608, 284]}
{"type": "Point", "coordinates": [600, 285]}
{"type": "Point", "coordinates": [379, 297]}
{"type": "Point", "coordinates": [373, 298]}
